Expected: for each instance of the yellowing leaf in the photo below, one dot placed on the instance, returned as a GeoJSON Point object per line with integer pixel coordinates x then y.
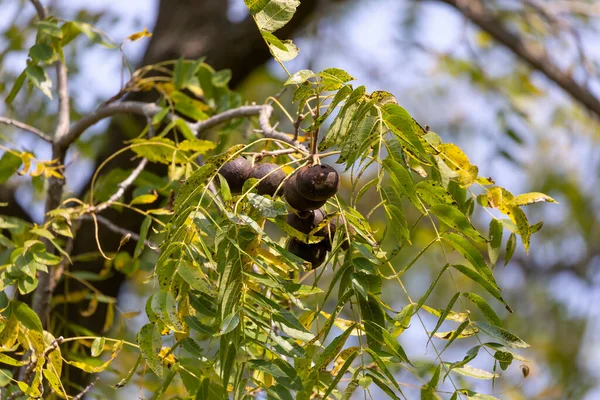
{"type": "Point", "coordinates": [464, 334]}
{"type": "Point", "coordinates": [88, 367]}
{"type": "Point", "coordinates": [530, 198]}
{"type": "Point", "coordinates": [26, 158]}
{"type": "Point", "coordinates": [344, 324]}
{"type": "Point", "coordinates": [473, 372]}
{"type": "Point", "coordinates": [458, 162]}
{"type": "Point", "coordinates": [482, 180]}
{"type": "Point", "coordinates": [138, 35]}
{"type": "Point", "coordinates": [145, 199]}
{"type": "Point", "coordinates": [197, 145]}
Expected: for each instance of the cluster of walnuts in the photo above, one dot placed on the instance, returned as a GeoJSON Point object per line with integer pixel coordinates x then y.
{"type": "Point", "coordinates": [306, 191]}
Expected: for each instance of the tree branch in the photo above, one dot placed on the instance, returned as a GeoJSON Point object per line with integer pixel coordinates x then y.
{"type": "Point", "coordinates": [268, 130]}
{"type": "Point", "coordinates": [47, 280]}
{"type": "Point", "coordinates": [475, 11]}
{"type": "Point", "coordinates": [25, 127]}
{"type": "Point", "coordinates": [122, 188]}
{"type": "Point", "coordinates": [109, 110]}
{"type": "Point", "coordinates": [41, 11]}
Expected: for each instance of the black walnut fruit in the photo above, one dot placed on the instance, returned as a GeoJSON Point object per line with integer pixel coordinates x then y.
{"type": "Point", "coordinates": [271, 176]}
{"type": "Point", "coordinates": [318, 182]}
{"type": "Point", "coordinates": [305, 225]}
{"type": "Point", "coordinates": [295, 199]}
{"type": "Point", "coordinates": [236, 172]}
{"type": "Point", "coordinates": [315, 253]}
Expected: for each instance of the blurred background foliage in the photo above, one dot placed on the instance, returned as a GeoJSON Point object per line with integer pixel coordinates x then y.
{"type": "Point", "coordinates": [514, 83]}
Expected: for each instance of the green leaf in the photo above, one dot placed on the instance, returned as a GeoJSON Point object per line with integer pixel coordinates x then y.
{"type": "Point", "coordinates": [198, 326]}
{"type": "Point", "coordinates": [283, 372]}
{"type": "Point", "coordinates": [16, 87]}
{"type": "Point", "coordinates": [270, 15]}
{"type": "Point", "coordinates": [333, 79]}
{"type": "Point", "coordinates": [396, 220]}
{"type": "Point", "coordinates": [266, 207]}
{"type": "Point", "coordinates": [362, 134]}
{"type": "Point", "coordinates": [26, 316]}
{"type": "Point", "coordinates": [164, 306]}
{"type": "Point", "coordinates": [400, 122]}
{"type": "Point", "coordinates": [150, 344]}
{"type": "Point", "coordinates": [471, 253]}
{"type": "Point", "coordinates": [444, 314]}
{"type": "Point", "coordinates": [482, 281]}
{"type": "Point", "coordinates": [229, 323]}
{"type": "Point", "coordinates": [203, 304]}
{"type": "Point", "coordinates": [289, 53]}
{"type": "Point", "coordinates": [470, 356]}
{"type": "Point", "coordinates": [189, 107]}
{"type": "Point", "coordinates": [41, 52]}
{"type": "Point", "coordinates": [38, 77]}
{"type": "Point", "coordinates": [5, 377]}
{"type": "Point", "coordinates": [299, 77]}
{"type": "Point", "coordinates": [511, 245]}
{"type": "Point", "coordinates": [383, 386]}
{"type": "Point", "coordinates": [456, 334]}
{"type": "Point", "coordinates": [141, 243]}
{"type": "Point", "coordinates": [402, 180]}
{"type": "Point", "coordinates": [495, 242]}
{"type": "Point", "coordinates": [332, 350]}
{"type": "Point", "coordinates": [221, 78]}
{"type": "Point", "coordinates": [504, 358]}
{"type": "Point", "coordinates": [192, 347]}
{"type": "Point", "coordinates": [473, 372]}
{"type": "Point", "coordinates": [341, 94]}
{"type": "Point", "coordinates": [383, 366]}
{"type": "Point", "coordinates": [9, 165]}
{"type": "Point", "coordinates": [425, 296]}
{"type": "Point", "coordinates": [350, 358]}
{"type": "Point", "coordinates": [484, 307]}
{"type": "Point", "coordinates": [455, 219]}
{"type": "Point", "coordinates": [193, 276]}
{"type": "Point", "coordinates": [373, 319]}
{"type": "Point", "coordinates": [428, 390]}
{"type": "Point", "coordinates": [503, 335]}
{"type": "Point", "coordinates": [98, 346]}
{"type": "Point", "coordinates": [432, 193]}
{"type": "Point", "coordinates": [402, 320]}
{"type": "Point", "coordinates": [339, 127]}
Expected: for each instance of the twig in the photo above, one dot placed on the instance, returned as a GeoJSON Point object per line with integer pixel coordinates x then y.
{"type": "Point", "coordinates": [115, 228]}
{"type": "Point", "coordinates": [41, 11]}
{"type": "Point", "coordinates": [243, 111]}
{"type": "Point", "coordinates": [122, 188]}
{"type": "Point", "coordinates": [275, 153]}
{"type": "Point", "coordinates": [269, 131]}
{"type": "Point", "coordinates": [86, 389]}
{"type": "Point", "coordinates": [25, 127]}
{"type": "Point", "coordinates": [109, 110]}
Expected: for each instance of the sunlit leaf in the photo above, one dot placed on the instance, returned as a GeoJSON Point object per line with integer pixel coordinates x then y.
{"type": "Point", "coordinates": [138, 35]}
{"type": "Point", "coordinates": [270, 15]}
{"type": "Point", "coordinates": [501, 334]}
{"type": "Point", "coordinates": [530, 198]}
